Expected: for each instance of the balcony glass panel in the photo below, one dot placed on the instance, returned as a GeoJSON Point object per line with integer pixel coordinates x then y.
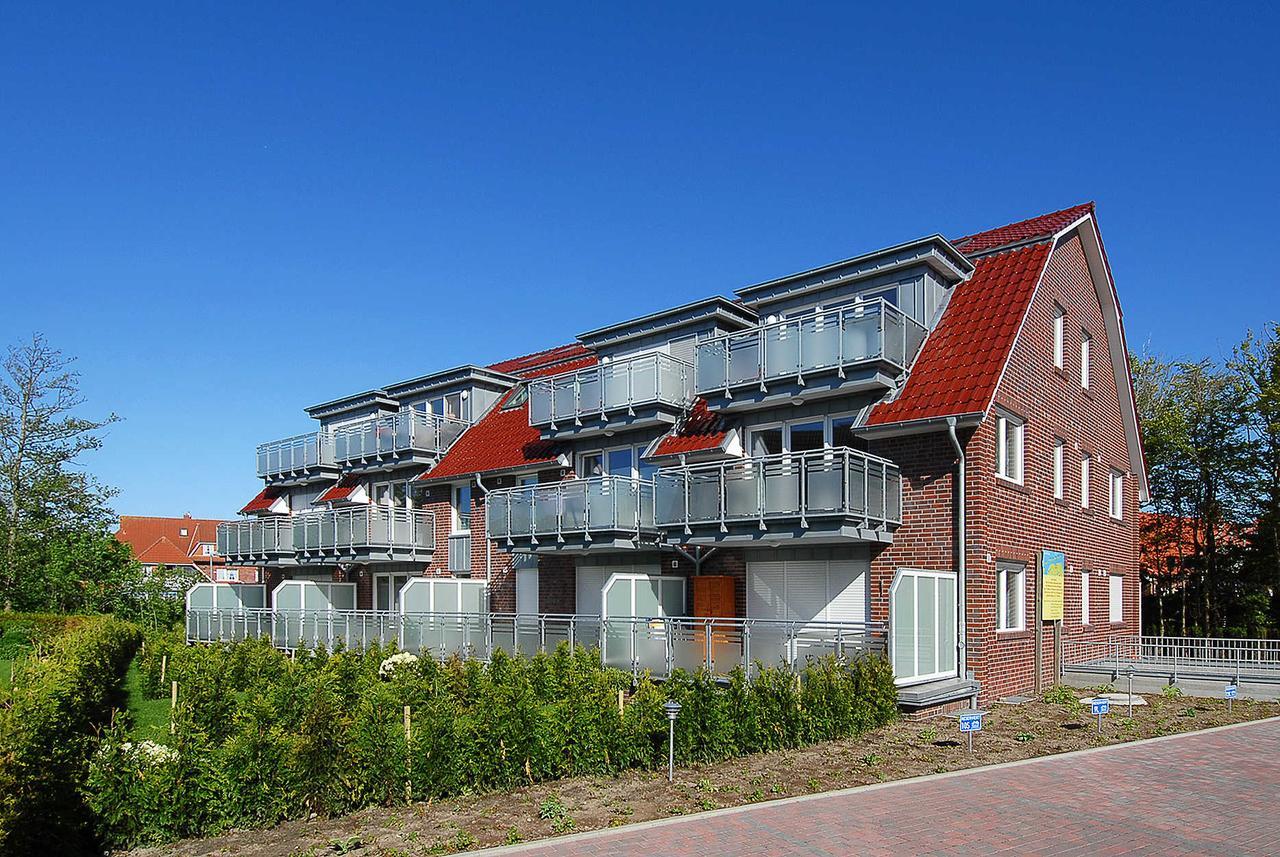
{"type": "Point", "coordinates": [572, 507]}
{"type": "Point", "coordinates": [539, 404]}
{"type": "Point", "coordinates": [630, 382]}
{"type": "Point", "coordinates": [294, 454]}
{"type": "Point", "coordinates": [392, 434]}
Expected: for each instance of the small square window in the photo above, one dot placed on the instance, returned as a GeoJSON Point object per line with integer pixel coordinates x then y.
{"type": "Point", "coordinates": [1010, 600]}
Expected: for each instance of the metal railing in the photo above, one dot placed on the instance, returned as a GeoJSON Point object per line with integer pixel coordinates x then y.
{"type": "Point", "coordinates": [345, 531]}
{"type": "Point", "coordinates": [296, 454]}
{"type": "Point", "coordinates": [658, 645]}
{"type": "Point", "coordinates": [1186, 657]}
{"type": "Point", "coordinates": [620, 385]}
{"type": "Point", "coordinates": [818, 340]}
{"type": "Point", "coordinates": [395, 434]}
{"type": "Point", "coordinates": [459, 552]}
{"type": "Point", "coordinates": [256, 539]}
{"type": "Point", "coordinates": [574, 507]}
{"type": "Point", "coordinates": [837, 482]}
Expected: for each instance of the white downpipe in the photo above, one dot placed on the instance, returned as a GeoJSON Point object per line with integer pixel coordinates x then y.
{"type": "Point", "coordinates": [488, 543]}
{"type": "Point", "coordinates": [961, 599]}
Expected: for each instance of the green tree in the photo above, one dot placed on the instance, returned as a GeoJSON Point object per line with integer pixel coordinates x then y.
{"type": "Point", "coordinates": [1257, 362]}
{"type": "Point", "coordinates": [42, 495]}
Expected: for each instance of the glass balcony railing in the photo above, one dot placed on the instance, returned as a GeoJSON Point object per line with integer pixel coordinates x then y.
{"type": "Point", "coordinates": [297, 454]}
{"type": "Point", "coordinates": [370, 528]}
{"type": "Point", "coordinates": [818, 341]}
{"type": "Point", "coordinates": [574, 508]}
{"type": "Point", "coordinates": [254, 540]}
{"type": "Point", "coordinates": [396, 434]}
{"type": "Point", "coordinates": [623, 384]}
{"type": "Point", "coordinates": [792, 488]}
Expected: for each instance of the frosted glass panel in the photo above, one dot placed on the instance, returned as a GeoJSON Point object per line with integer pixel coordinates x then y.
{"type": "Point", "coordinates": [904, 628]}
{"type": "Point", "coordinates": [927, 625]}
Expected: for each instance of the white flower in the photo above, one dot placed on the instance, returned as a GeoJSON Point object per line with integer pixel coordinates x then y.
{"type": "Point", "coordinates": [395, 662]}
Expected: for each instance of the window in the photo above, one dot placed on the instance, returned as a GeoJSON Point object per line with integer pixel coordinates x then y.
{"type": "Point", "coordinates": [1116, 599]}
{"type": "Point", "coordinates": [1009, 434]}
{"type": "Point", "coordinates": [1084, 480]}
{"type": "Point", "coordinates": [1084, 598]}
{"type": "Point", "coordinates": [454, 405]}
{"type": "Point", "coordinates": [1059, 323]}
{"type": "Point", "coordinates": [182, 532]}
{"type": "Point", "coordinates": [1010, 606]}
{"type": "Point", "coordinates": [206, 549]}
{"type": "Point", "coordinates": [386, 590]}
{"type": "Point", "coordinates": [922, 639]}
{"type": "Point", "coordinates": [462, 508]}
{"type": "Point", "coordinates": [1117, 495]}
{"type": "Point", "coordinates": [1086, 343]}
{"type": "Point", "coordinates": [1059, 449]}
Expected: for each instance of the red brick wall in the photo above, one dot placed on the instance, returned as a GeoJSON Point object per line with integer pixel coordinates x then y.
{"type": "Point", "coordinates": [1012, 522]}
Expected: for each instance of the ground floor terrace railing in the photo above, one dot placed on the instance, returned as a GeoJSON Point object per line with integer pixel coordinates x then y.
{"type": "Point", "coordinates": [658, 645]}
{"type": "Point", "coordinates": [1189, 657]}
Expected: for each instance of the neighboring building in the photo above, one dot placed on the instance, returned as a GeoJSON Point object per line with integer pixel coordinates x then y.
{"type": "Point", "coordinates": [799, 445]}
{"type": "Point", "coordinates": [184, 542]}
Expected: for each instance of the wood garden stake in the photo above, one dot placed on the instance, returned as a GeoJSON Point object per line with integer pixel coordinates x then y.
{"type": "Point", "coordinates": [622, 702]}
{"type": "Point", "coordinates": [173, 705]}
{"type": "Point", "coordinates": [408, 755]}
{"type": "Point", "coordinates": [164, 666]}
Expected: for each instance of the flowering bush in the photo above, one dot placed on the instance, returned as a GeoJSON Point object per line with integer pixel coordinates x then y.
{"type": "Point", "coordinates": [397, 662]}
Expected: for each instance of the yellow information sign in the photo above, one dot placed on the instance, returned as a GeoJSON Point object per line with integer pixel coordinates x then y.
{"type": "Point", "coordinates": [1053, 566]}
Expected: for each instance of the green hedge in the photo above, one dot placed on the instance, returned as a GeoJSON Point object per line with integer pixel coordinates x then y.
{"type": "Point", "coordinates": [48, 723]}
{"type": "Point", "coordinates": [22, 633]}
{"type": "Point", "coordinates": [262, 737]}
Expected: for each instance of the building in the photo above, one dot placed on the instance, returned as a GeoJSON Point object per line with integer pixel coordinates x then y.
{"type": "Point", "coordinates": [811, 451]}
{"type": "Point", "coordinates": [184, 542]}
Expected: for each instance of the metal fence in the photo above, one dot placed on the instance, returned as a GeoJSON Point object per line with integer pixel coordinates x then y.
{"type": "Point", "coordinates": [295, 454]}
{"type": "Point", "coordinates": [403, 432]}
{"type": "Point", "coordinates": [574, 507]}
{"type": "Point", "coordinates": [620, 385]}
{"type": "Point", "coordinates": [820, 340]}
{"type": "Point", "coordinates": [1177, 657]}
{"type": "Point", "coordinates": [658, 645]}
{"type": "Point", "coordinates": [820, 483]}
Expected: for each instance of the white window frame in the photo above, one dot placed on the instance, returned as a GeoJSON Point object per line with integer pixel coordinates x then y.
{"type": "Point", "coordinates": [1116, 499]}
{"type": "Point", "coordinates": [1086, 348]}
{"type": "Point", "coordinates": [458, 522]}
{"type": "Point", "coordinates": [392, 591]}
{"type": "Point", "coordinates": [1084, 599]}
{"type": "Point", "coordinates": [1059, 336]}
{"type": "Point", "coordinates": [1003, 570]}
{"type": "Point", "coordinates": [1086, 461]}
{"type": "Point", "coordinates": [1115, 599]}
{"type": "Point", "coordinates": [915, 574]}
{"type": "Point", "coordinates": [1009, 427]}
{"type": "Point", "coordinates": [637, 452]}
{"type": "Point", "coordinates": [1059, 458]}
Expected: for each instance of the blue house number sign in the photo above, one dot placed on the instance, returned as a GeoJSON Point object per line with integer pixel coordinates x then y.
{"type": "Point", "coordinates": [970, 722]}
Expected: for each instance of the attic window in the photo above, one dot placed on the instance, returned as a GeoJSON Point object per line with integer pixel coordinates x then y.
{"type": "Point", "coordinates": [182, 531]}
{"type": "Point", "coordinates": [518, 398]}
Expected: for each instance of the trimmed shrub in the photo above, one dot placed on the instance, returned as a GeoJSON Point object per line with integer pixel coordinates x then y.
{"type": "Point", "coordinates": [48, 724]}
{"type": "Point", "coordinates": [274, 736]}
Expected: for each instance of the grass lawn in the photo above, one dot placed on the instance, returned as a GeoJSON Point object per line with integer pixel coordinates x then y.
{"type": "Point", "coordinates": [149, 717]}
{"type": "Point", "coordinates": [6, 673]}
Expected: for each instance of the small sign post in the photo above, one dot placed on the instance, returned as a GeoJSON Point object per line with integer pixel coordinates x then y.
{"type": "Point", "coordinates": [1230, 693]}
{"type": "Point", "coordinates": [672, 709]}
{"type": "Point", "coordinates": [971, 722]}
{"type": "Point", "coordinates": [1128, 671]}
{"type": "Point", "coordinates": [1101, 706]}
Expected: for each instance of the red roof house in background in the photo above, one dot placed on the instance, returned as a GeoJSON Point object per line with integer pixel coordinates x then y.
{"type": "Point", "coordinates": [184, 542]}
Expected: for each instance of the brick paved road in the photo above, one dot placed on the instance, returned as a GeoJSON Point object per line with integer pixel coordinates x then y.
{"type": "Point", "coordinates": [1214, 793]}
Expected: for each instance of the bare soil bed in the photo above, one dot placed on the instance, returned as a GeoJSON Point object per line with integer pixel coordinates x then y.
{"type": "Point", "coordinates": [900, 750]}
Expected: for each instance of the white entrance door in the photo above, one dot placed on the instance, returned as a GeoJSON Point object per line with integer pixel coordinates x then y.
{"type": "Point", "coordinates": [527, 590]}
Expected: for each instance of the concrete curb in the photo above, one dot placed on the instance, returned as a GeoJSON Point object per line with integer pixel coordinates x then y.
{"type": "Point", "coordinates": [553, 841]}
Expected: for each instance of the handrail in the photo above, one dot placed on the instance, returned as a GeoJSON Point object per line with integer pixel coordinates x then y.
{"type": "Point", "coordinates": [621, 384]}
{"type": "Point", "coordinates": [571, 507]}
{"type": "Point", "coordinates": [818, 483]}
{"type": "Point", "coordinates": [295, 454]}
{"type": "Point", "coordinates": [394, 433]}
{"type": "Point", "coordinates": [368, 525]}
{"type": "Point", "coordinates": [658, 645]}
{"type": "Point", "coordinates": [816, 340]}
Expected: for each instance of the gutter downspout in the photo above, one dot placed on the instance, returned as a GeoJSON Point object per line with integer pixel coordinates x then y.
{"type": "Point", "coordinates": [488, 543]}
{"type": "Point", "coordinates": [962, 660]}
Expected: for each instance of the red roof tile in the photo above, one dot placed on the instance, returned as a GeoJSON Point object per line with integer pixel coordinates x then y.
{"type": "Point", "coordinates": [701, 430]}
{"type": "Point", "coordinates": [1042, 226]}
{"type": "Point", "coordinates": [541, 362]}
{"type": "Point", "coordinates": [340, 490]}
{"type": "Point", "coordinates": [159, 541]}
{"type": "Point", "coordinates": [503, 439]}
{"type": "Point", "coordinates": [960, 364]}
{"type": "Point", "coordinates": [263, 501]}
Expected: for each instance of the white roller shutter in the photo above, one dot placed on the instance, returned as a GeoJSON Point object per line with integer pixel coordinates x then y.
{"type": "Point", "coordinates": [808, 590]}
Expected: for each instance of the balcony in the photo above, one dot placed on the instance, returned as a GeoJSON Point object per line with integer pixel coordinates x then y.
{"type": "Point", "coordinates": [295, 459]}
{"type": "Point", "coordinates": [256, 542]}
{"type": "Point", "coordinates": [389, 441]}
{"type": "Point", "coordinates": [362, 534]}
{"type": "Point", "coordinates": [864, 347]}
{"type": "Point", "coordinates": [601, 513]}
{"type": "Point", "coordinates": [629, 392]}
{"type": "Point", "coordinates": [819, 496]}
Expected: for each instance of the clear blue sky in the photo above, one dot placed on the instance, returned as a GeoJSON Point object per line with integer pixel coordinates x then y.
{"type": "Point", "coordinates": [229, 212]}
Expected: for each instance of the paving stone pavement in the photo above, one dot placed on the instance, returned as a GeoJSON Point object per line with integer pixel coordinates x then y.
{"type": "Point", "coordinates": [1204, 793]}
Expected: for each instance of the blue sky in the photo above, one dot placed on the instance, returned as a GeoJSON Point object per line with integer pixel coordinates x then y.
{"type": "Point", "coordinates": [228, 212]}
